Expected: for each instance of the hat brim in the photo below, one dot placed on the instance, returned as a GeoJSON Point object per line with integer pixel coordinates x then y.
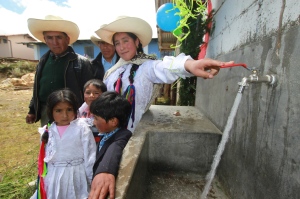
{"type": "Point", "coordinates": [135, 25]}
{"type": "Point", "coordinates": [95, 40]}
{"type": "Point", "coordinates": [38, 26]}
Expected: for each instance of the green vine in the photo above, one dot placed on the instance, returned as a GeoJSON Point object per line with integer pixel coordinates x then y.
{"type": "Point", "coordinates": [193, 26]}
{"type": "Point", "coordinates": [188, 10]}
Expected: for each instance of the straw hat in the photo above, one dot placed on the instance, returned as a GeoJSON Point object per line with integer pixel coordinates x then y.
{"type": "Point", "coordinates": [52, 23]}
{"type": "Point", "coordinates": [135, 25]}
{"type": "Point", "coordinates": [95, 39]}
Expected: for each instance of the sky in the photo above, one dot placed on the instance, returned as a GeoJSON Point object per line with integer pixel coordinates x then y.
{"type": "Point", "coordinates": [89, 15]}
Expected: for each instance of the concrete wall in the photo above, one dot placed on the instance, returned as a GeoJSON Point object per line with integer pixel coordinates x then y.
{"type": "Point", "coordinates": [165, 142]}
{"type": "Point", "coordinates": [5, 47]}
{"type": "Point", "coordinates": [261, 158]}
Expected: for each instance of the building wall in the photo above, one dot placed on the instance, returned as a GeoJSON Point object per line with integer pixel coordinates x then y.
{"type": "Point", "coordinates": [261, 157]}
{"type": "Point", "coordinates": [80, 45]}
{"type": "Point", "coordinates": [5, 47]}
{"type": "Point", "coordinates": [153, 48]}
{"type": "Point", "coordinates": [13, 49]}
{"type": "Point", "coordinates": [81, 48]}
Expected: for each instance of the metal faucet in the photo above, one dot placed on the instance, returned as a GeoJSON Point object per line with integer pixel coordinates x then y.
{"type": "Point", "coordinates": [256, 78]}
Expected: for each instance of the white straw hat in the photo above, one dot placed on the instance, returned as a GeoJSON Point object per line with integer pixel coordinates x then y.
{"type": "Point", "coordinates": [53, 23]}
{"type": "Point", "coordinates": [96, 39]}
{"type": "Point", "coordinates": [135, 25]}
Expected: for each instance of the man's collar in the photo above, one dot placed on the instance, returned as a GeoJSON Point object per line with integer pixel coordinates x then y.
{"type": "Point", "coordinates": [59, 56]}
{"type": "Point", "coordinates": [113, 60]}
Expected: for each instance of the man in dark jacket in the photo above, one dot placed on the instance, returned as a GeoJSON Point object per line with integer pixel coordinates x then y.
{"type": "Point", "coordinates": [59, 68]}
{"type": "Point", "coordinates": [105, 59]}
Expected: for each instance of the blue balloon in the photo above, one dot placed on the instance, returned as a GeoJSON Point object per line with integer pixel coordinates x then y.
{"type": "Point", "coordinates": [166, 18]}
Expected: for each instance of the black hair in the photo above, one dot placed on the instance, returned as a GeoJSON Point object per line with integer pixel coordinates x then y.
{"type": "Point", "coordinates": [134, 37]}
{"type": "Point", "coordinates": [112, 105]}
{"type": "Point", "coordinates": [62, 95]}
{"type": "Point", "coordinates": [97, 83]}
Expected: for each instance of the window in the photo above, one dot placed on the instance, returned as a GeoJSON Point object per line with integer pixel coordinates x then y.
{"type": "Point", "coordinates": [4, 41]}
{"type": "Point", "coordinates": [167, 53]}
{"type": "Point", "coordinates": [89, 52]}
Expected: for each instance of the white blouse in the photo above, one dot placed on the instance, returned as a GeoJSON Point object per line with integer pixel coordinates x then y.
{"type": "Point", "coordinates": [164, 71]}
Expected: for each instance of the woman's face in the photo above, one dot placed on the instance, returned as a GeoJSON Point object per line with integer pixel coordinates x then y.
{"type": "Point", "coordinates": [126, 47]}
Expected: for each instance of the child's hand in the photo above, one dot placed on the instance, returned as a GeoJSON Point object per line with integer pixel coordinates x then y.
{"type": "Point", "coordinates": [103, 184]}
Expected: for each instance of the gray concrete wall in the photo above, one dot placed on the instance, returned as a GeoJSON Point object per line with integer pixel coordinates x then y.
{"type": "Point", "coordinates": [261, 158]}
{"type": "Point", "coordinates": [163, 141]}
{"type": "Point", "coordinates": [175, 153]}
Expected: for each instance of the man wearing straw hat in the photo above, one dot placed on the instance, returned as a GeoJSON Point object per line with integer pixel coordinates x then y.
{"type": "Point", "coordinates": [105, 59]}
{"type": "Point", "coordinates": [58, 68]}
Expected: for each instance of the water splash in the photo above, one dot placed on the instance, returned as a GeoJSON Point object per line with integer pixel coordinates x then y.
{"type": "Point", "coordinates": [211, 174]}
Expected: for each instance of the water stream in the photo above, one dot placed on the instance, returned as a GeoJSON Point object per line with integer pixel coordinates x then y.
{"type": "Point", "coordinates": [217, 158]}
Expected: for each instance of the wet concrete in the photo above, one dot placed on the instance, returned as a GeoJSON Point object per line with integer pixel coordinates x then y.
{"type": "Point", "coordinates": [179, 185]}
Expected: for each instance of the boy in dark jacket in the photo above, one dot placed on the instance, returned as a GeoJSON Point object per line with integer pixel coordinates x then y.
{"type": "Point", "coordinates": [111, 114]}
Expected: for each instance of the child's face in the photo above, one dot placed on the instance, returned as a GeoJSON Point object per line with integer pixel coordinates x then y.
{"type": "Point", "coordinates": [91, 93]}
{"type": "Point", "coordinates": [63, 113]}
{"type": "Point", "coordinates": [103, 126]}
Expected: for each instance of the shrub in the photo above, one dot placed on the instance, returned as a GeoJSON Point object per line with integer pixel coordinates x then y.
{"type": "Point", "coordinates": [16, 68]}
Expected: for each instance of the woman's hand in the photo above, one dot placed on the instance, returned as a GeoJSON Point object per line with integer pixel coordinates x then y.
{"type": "Point", "coordinates": [205, 68]}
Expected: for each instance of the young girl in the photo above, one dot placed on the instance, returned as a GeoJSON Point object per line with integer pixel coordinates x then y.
{"type": "Point", "coordinates": [69, 152]}
{"type": "Point", "coordinates": [92, 90]}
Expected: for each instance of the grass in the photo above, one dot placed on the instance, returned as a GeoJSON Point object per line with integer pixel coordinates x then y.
{"type": "Point", "coordinates": [19, 142]}
{"type": "Point", "coordinates": [19, 146]}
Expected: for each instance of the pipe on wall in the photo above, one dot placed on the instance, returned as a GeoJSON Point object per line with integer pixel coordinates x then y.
{"type": "Point", "coordinates": [11, 52]}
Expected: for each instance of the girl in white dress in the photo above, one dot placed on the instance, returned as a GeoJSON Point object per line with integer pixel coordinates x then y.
{"type": "Point", "coordinates": [69, 152]}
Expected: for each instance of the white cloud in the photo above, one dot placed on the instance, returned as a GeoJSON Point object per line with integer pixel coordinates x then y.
{"type": "Point", "coordinates": [11, 22]}
{"type": "Point", "coordinates": [87, 14]}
